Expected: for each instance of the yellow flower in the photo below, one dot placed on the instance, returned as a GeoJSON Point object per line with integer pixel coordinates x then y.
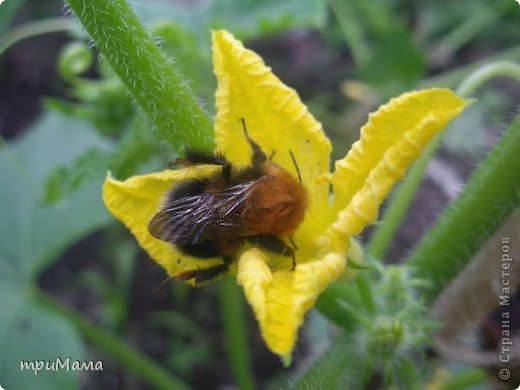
{"type": "Point", "coordinates": [278, 121]}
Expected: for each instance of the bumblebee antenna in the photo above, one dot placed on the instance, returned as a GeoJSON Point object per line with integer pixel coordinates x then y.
{"type": "Point", "coordinates": [259, 156]}
{"type": "Point", "coordinates": [296, 166]}
{"type": "Point", "coordinates": [243, 121]}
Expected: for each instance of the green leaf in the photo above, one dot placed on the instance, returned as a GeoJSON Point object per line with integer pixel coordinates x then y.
{"type": "Point", "coordinates": [182, 44]}
{"type": "Point", "coordinates": [135, 147]}
{"type": "Point", "coordinates": [396, 62]}
{"type": "Point", "coordinates": [352, 264]}
{"type": "Point", "coordinates": [32, 234]}
{"type": "Point", "coordinates": [465, 378]}
{"type": "Point", "coordinates": [246, 19]}
{"type": "Point", "coordinates": [255, 17]}
{"type": "Point", "coordinates": [8, 11]}
{"type": "Point", "coordinates": [63, 181]}
{"type": "Point", "coordinates": [31, 333]}
{"type": "Point", "coordinates": [333, 304]}
{"type": "Point", "coordinates": [353, 28]}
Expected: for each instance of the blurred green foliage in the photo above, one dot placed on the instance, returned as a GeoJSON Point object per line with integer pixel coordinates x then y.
{"type": "Point", "coordinates": [32, 236]}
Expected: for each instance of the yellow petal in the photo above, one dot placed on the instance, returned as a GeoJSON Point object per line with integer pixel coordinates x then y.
{"type": "Point", "coordinates": [136, 200]}
{"type": "Point", "coordinates": [391, 140]}
{"type": "Point", "coordinates": [275, 117]}
{"type": "Point", "coordinates": [281, 298]}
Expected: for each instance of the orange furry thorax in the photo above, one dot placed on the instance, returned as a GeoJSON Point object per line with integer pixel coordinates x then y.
{"type": "Point", "coordinates": [277, 204]}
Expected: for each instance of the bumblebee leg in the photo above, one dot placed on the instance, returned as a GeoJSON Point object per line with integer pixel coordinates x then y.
{"type": "Point", "coordinates": [195, 157]}
{"type": "Point", "coordinates": [226, 173]}
{"type": "Point", "coordinates": [275, 245]}
{"type": "Point", "coordinates": [207, 275]}
{"type": "Point", "coordinates": [291, 238]}
{"type": "Point", "coordinates": [204, 276]}
{"type": "Point", "coordinates": [272, 244]}
{"type": "Point", "coordinates": [159, 289]}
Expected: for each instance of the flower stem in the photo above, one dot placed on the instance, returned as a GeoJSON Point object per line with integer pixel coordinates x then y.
{"type": "Point", "coordinates": [232, 313]}
{"type": "Point", "coordinates": [153, 81]}
{"type": "Point", "coordinates": [490, 195]}
{"type": "Point", "coordinates": [404, 194]}
{"type": "Point", "coordinates": [134, 361]}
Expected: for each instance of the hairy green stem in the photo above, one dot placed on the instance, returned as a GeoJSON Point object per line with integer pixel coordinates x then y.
{"type": "Point", "coordinates": [404, 194]}
{"type": "Point", "coordinates": [232, 314]}
{"type": "Point", "coordinates": [490, 195]}
{"type": "Point", "coordinates": [340, 367]}
{"type": "Point", "coordinates": [132, 360]}
{"type": "Point", "coordinates": [32, 29]}
{"type": "Point", "coordinates": [152, 80]}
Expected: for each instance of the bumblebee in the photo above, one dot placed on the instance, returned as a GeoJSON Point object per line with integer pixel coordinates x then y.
{"type": "Point", "coordinates": [213, 216]}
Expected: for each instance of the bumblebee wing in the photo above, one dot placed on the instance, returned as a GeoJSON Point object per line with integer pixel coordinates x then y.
{"type": "Point", "coordinates": [183, 220]}
{"type": "Point", "coordinates": [195, 219]}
